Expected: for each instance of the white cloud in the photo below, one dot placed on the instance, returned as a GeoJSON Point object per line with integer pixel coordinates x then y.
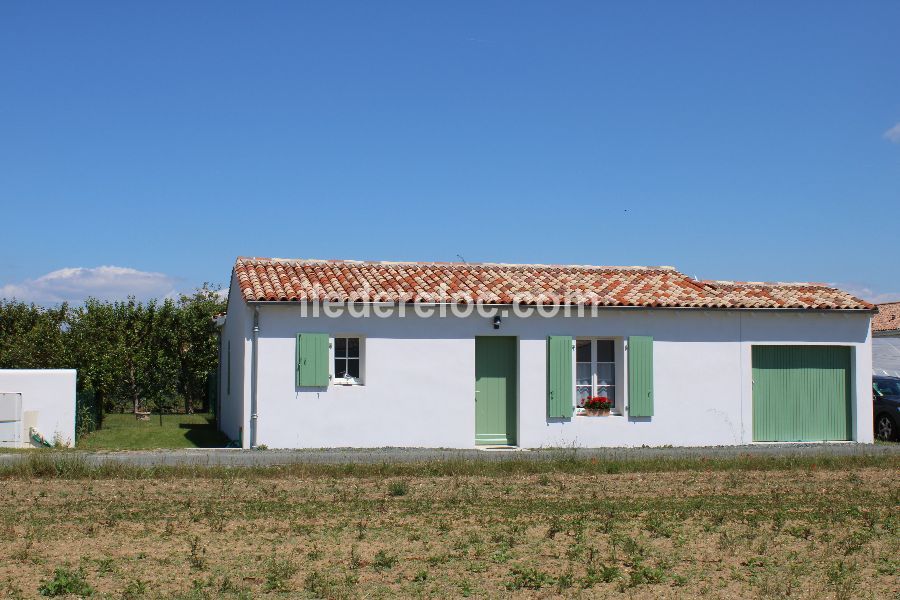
{"type": "Point", "coordinates": [893, 134]}
{"type": "Point", "coordinates": [867, 293]}
{"type": "Point", "coordinates": [78, 283]}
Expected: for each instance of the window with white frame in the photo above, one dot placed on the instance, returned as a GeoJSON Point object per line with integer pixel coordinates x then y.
{"type": "Point", "coordinates": [595, 370]}
{"type": "Point", "coordinates": [348, 360]}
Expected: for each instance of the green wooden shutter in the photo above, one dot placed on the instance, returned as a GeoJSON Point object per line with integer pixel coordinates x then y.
{"type": "Point", "coordinates": [640, 376]}
{"type": "Point", "coordinates": [559, 376]}
{"type": "Point", "coordinates": [312, 359]}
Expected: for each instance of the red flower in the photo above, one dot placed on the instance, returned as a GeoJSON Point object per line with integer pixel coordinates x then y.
{"type": "Point", "coordinates": [598, 403]}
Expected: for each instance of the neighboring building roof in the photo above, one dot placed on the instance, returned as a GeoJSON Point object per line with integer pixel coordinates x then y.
{"type": "Point", "coordinates": [276, 279]}
{"type": "Point", "coordinates": [887, 318]}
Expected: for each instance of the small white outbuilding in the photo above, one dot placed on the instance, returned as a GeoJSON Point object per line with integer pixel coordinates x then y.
{"type": "Point", "coordinates": [324, 353]}
{"type": "Point", "coordinates": [37, 402]}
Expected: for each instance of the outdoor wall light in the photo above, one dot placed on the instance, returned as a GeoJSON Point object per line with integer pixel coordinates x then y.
{"type": "Point", "coordinates": [496, 321]}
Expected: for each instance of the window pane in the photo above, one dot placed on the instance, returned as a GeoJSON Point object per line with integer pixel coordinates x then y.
{"type": "Point", "coordinates": [582, 351]}
{"type": "Point", "coordinates": [353, 347]}
{"type": "Point", "coordinates": [340, 346]}
{"type": "Point", "coordinates": [606, 351]}
{"type": "Point", "coordinates": [353, 367]}
{"type": "Point", "coordinates": [340, 368]}
{"type": "Point", "coordinates": [607, 390]}
{"type": "Point", "coordinates": [606, 374]}
{"type": "Point", "coordinates": [581, 394]}
{"type": "Point", "coordinates": [583, 373]}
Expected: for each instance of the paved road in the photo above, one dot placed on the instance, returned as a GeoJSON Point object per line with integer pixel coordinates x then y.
{"type": "Point", "coordinates": [249, 458]}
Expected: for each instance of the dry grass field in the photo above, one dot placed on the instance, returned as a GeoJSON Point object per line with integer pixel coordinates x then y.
{"type": "Point", "coordinates": [741, 528]}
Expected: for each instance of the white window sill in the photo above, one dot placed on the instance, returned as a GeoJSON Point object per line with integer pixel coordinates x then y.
{"type": "Point", "coordinates": [347, 383]}
{"type": "Point", "coordinates": [587, 416]}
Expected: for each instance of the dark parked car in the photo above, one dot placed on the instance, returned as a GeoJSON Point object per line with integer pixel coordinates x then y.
{"type": "Point", "coordinates": [886, 393]}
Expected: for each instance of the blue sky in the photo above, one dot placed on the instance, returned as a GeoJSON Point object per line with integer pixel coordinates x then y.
{"type": "Point", "coordinates": [752, 141]}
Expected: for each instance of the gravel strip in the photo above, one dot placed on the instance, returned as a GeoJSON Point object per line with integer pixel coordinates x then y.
{"type": "Point", "coordinates": [253, 458]}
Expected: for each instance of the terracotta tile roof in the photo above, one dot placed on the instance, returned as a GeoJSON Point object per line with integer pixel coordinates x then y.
{"type": "Point", "coordinates": [277, 279]}
{"type": "Point", "coordinates": [887, 318]}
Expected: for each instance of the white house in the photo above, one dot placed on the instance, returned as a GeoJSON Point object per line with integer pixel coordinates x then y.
{"type": "Point", "coordinates": [886, 340]}
{"type": "Point", "coordinates": [37, 401]}
{"type": "Point", "coordinates": [323, 353]}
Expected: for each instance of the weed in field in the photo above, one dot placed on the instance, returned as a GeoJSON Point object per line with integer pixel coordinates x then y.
{"type": "Point", "coordinates": [135, 590]}
{"type": "Point", "coordinates": [197, 556]}
{"type": "Point", "coordinates": [105, 566]}
{"type": "Point", "coordinates": [843, 579]}
{"type": "Point", "coordinates": [398, 488]}
{"type": "Point", "coordinates": [436, 560]}
{"type": "Point", "coordinates": [278, 572]}
{"type": "Point", "coordinates": [66, 582]}
{"type": "Point", "coordinates": [855, 542]}
{"type": "Point", "coordinates": [600, 574]}
{"type": "Point", "coordinates": [12, 591]}
{"type": "Point", "coordinates": [642, 574]}
{"type": "Point", "coordinates": [361, 527]}
{"type": "Point", "coordinates": [421, 576]}
{"type": "Point", "coordinates": [382, 561]}
{"type": "Point", "coordinates": [803, 532]}
{"type": "Point", "coordinates": [887, 566]}
{"type": "Point", "coordinates": [226, 586]}
{"type": "Point", "coordinates": [502, 554]}
{"type": "Point", "coordinates": [565, 581]}
{"type": "Point", "coordinates": [527, 578]}
{"type": "Point", "coordinates": [476, 567]}
{"type": "Point", "coordinates": [554, 527]}
{"type": "Point", "coordinates": [658, 526]}
{"type": "Point", "coordinates": [354, 562]}
{"type": "Point", "coordinates": [322, 585]}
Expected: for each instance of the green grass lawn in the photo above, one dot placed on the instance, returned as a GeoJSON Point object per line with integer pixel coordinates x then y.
{"type": "Point", "coordinates": [124, 432]}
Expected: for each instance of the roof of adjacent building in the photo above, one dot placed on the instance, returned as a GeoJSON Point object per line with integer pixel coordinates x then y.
{"type": "Point", "coordinates": [887, 318]}
{"type": "Point", "coordinates": [292, 280]}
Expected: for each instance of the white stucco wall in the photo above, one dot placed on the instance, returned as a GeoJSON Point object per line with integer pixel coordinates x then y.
{"type": "Point", "coordinates": [49, 396]}
{"type": "Point", "coordinates": [234, 372]}
{"type": "Point", "coordinates": [419, 380]}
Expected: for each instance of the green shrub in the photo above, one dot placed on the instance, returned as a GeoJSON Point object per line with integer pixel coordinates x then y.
{"type": "Point", "coordinates": [642, 574]}
{"type": "Point", "coordinates": [134, 590]}
{"type": "Point", "coordinates": [528, 578]}
{"type": "Point", "coordinates": [66, 582]}
{"type": "Point", "coordinates": [382, 561]}
{"type": "Point", "coordinates": [278, 572]}
{"type": "Point", "coordinates": [321, 585]}
{"type": "Point", "coordinates": [398, 488]}
{"type": "Point", "coordinates": [601, 573]}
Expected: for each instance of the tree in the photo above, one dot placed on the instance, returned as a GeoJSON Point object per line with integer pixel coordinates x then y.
{"type": "Point", "coordinates": [32, 337]}
{"type": "Point", "coordinates": [130, 355]}
{"type": "Point", "coordinates": [198, 345]}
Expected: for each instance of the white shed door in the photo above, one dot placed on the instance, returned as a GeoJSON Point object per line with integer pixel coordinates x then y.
{"type": "Point", "coordinates": [10, 420]}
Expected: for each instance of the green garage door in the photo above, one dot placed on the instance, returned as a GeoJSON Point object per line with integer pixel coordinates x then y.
{"type": "Point", "coordinates": [801, 393]}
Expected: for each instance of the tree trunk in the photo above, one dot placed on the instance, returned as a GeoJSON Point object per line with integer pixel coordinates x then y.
{"type": "Point", "coordinates": [134, 389]}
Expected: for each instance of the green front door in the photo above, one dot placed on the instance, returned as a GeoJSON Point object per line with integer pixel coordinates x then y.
{"type": "Point", "coordinates": [801, 393]}
{"type": "Point", "coordinates": [495, 391]}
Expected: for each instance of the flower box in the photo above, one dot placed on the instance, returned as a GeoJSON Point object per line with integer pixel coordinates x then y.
{"type": "Point", "coordinates": [596, 412]}
{"type": "Point", "coordinates": [597, 406]}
